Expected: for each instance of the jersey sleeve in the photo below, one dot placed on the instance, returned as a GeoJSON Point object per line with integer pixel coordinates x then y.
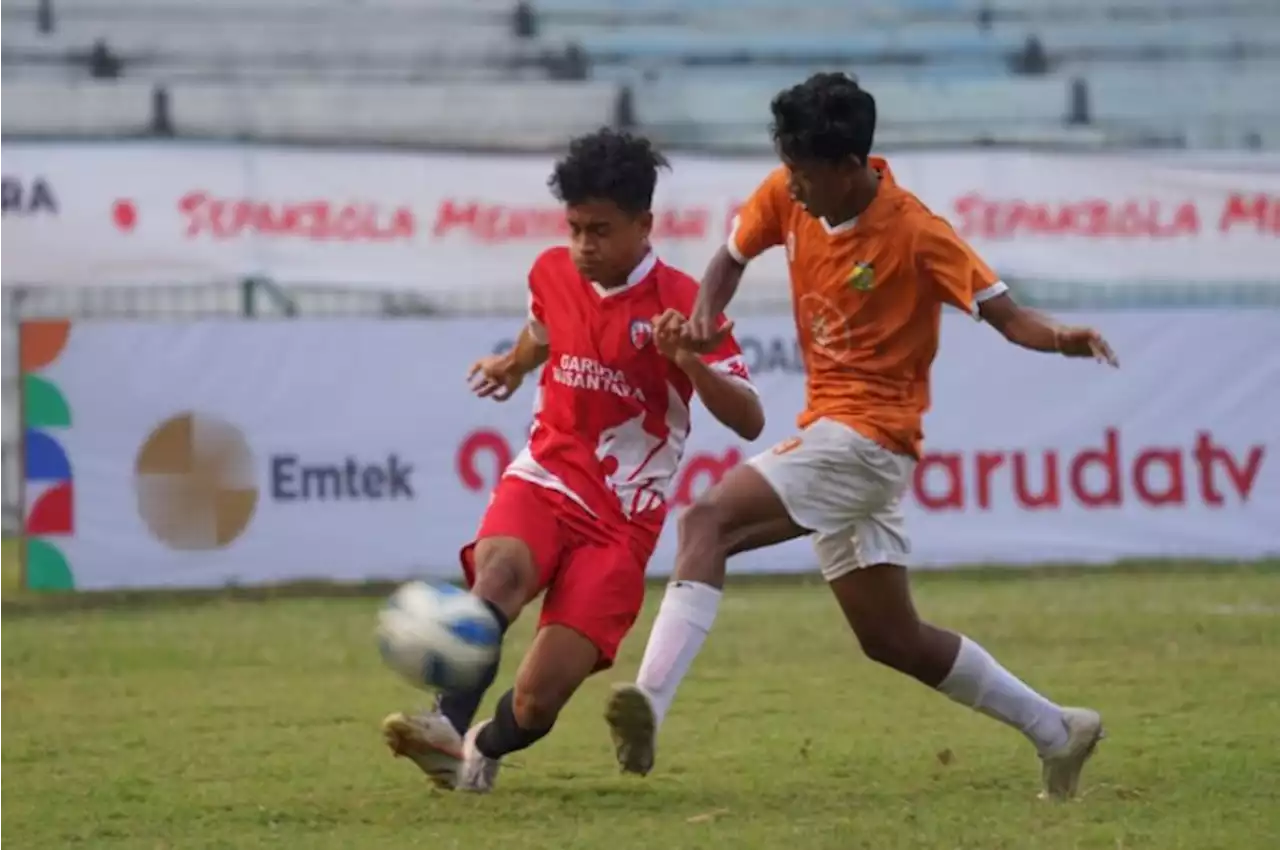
{"type": "Point", "coordinates": [760, 221]}
{"type": "Point", "coordinates": [537, 322]}
{"type": "Point", "coordinates": [954, 272]}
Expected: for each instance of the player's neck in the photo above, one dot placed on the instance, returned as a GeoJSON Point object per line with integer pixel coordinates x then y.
{"type": "Point", "coordinates": [859, 198]}
{"type": "Point", "coordinates": [621, 281]}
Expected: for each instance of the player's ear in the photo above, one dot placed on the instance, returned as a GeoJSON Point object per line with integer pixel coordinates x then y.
{"type": "Point", "coordinates": [852, 164]}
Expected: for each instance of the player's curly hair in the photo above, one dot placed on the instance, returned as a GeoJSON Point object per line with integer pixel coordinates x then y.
{"type": "Point", "coordinates": [827, 118]}
{"type": "Point", "coordinates": [608, 165]}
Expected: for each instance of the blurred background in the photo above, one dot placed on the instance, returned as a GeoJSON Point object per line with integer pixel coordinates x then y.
{"type": "Point", "coordinates": [492, 74]}
{"type": "Point", "coordinates": [501, 75]}
{"type": "Point", "coordinates": [387, 158]}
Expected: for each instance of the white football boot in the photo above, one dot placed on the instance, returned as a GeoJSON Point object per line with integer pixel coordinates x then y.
{"type": "Point", "coordinates": [633, 725]}
{"type": "Point", "coordinates": [478, 771]}
{"type": "Point", "coordinates": [429, 740]}
{"type": "Point", "coordinates": [1062, 765]}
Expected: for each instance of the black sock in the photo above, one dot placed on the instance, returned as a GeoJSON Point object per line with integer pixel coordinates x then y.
{"type": "Point", "coordinates": [460, 707]}
{"type": "Point", "coordinates": [503, 734]}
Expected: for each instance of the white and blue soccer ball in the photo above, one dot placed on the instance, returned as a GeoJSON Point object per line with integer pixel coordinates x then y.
{"type": "Point", "coordinates": [438, 636]}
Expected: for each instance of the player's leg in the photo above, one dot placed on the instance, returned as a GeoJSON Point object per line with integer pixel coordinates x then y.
{"type": "Point", "coordinates": [516, 546]}
{"type": "Point", "coordinates": [557, 663]}
{"type": "Point", "coordinates": [741, 513]}
{"type": "Point", "coordinates": [507, 575]}
{"type": "Point", "coordinates": [590, 606]}
{"type": "Point", "coordinates": [862, 565]}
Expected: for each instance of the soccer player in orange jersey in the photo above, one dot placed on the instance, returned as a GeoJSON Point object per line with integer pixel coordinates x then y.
{"type": "Point", "coordinates": [871, 267]}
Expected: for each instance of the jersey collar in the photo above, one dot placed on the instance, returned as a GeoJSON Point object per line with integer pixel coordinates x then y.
{"type": "Point", "coordinates": [637, 277]}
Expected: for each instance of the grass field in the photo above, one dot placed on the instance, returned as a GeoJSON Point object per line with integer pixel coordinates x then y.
{"type": "Point", "coordinates": [254, 724]}
{"type": "Point", "coordinates": [10, 566]}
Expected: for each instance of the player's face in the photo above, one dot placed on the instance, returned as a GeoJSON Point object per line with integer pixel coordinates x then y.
{"type": "Point", "coordinates": [606, 241]}
{"type": "Point", "coordinates": [822, 187]}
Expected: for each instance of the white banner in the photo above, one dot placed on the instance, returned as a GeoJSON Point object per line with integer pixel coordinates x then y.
{"type": "Point", "coordinates": [142, 213]}
{"type": "Point", "coordinates": [216, 453]}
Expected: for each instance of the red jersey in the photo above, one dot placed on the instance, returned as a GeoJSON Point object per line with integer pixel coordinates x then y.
{"type": "Point", "coordinates": [612, 413]}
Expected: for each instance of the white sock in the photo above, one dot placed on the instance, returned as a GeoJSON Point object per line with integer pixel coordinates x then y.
{"type": "Point", "coordinates": [687, 612]}
{"type": "Point", "coordinates": [978, 681]}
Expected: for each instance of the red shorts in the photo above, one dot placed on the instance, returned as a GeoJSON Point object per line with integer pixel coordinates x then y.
{"type": "Point", "coordinates": [593, 577]}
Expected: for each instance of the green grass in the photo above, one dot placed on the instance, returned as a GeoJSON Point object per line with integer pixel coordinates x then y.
{"type": "Point", "coordinates": [242, 724]}
{"type": "Point", "coordinates": [10, 567]}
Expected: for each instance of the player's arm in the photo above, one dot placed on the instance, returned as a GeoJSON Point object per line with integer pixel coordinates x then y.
{"type": "Point", "coordinates": [1030, 329]}
{"type": "Point", "coordinates": [718, 379]}
{"type": "Point", "coordinates": [757, 228]}
{"type": "Point", "coordinates": [961, 279]}
{"type": "Point", "coordinates": [531, 348]}
{"type": "Point", "coordinates": [731, 401]}
{"type": "Point", "coordinates": [719, 285]}
{"type": "Point", "coordinates": [498, 376]}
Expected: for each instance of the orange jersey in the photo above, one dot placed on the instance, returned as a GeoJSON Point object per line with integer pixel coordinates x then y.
{"type": "Point", "coordinates": [868, 298]}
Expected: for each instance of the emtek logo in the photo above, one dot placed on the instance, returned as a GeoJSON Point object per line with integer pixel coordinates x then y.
{"type": "Point", "coordinates": [294, 480]}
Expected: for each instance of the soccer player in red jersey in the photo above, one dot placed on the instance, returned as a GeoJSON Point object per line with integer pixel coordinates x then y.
{"type": "Point", "coordinates": [578, 512]}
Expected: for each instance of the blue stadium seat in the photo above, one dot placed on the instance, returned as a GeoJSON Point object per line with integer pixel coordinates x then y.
{"type": "Point", "coordinates": [536, 115]}
{"type": "Point", "coordinates": [978, 103]}
{"type": "Point", "coordinates": [675, 44]}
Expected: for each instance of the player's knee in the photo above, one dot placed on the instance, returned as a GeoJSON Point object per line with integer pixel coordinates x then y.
{"type": "Point", "coordinates": [704, 543]}
{"type": "Point", "coordinates": [504, 577]}
{"type": "Point", "coordinates": [897, 646]}
{"type": "Point", "coordinates": [704, 523]}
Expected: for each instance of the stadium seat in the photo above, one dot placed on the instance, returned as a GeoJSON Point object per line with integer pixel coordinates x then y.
{"type": "Point", "coordinates": [1175, 37]}
{"type": "Point", "coordinates": [150, 38]}
{"type": "Point", "coordinates": [243, 9]}
{"type": "Point", "coordinates": [736, 114]}
{"type": "Point", "coordinates": [534, 115]}
{"type": "Point", "coordinates": [682, 44]}
{"type": "Point", "coordinates": [700, 69]}
{"type": "Point", "coordinates": [80, 108]}
{"type": "Point", "coordinates": [1226, 106]}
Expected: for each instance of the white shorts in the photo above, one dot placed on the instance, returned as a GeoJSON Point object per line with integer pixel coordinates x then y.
{"type": "Point", "coordinates": [847, 489]}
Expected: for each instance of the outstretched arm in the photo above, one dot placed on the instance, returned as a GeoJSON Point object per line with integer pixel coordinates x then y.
{"type": "Point", "coordinates": [960, 278]}
{"type": "Point", "coordinates": [498, 376]}
{"type": "Point", "coordinates": [1030, 329]}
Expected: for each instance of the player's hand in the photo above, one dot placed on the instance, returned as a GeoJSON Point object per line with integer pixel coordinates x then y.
{"type": "Point", "coordinates": [704, 334]}
{"type": "Point", "coordinates": [495, 377]}
{"type": "Point", "coordinates": [1085, 342]}
{"type": "Point", "coordinates": [669, 335]}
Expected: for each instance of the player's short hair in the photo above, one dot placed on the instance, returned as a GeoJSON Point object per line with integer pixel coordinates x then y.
{"type": "Point", "coordinates": [608, 165]}
{"type": "Point", "coordinates": [827, 118]}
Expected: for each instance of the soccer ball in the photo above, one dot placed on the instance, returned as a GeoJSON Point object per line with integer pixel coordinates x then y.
{"type": "Point", "coordinates": [437, 636]}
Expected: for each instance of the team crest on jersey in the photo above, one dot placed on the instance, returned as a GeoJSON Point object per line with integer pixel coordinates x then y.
{"type": "Point", "coordinates": [641, 332]}
{"type": "Point", "coordinates": [862, 278]}
{"type": "Point", "coordinates": [818, 328]}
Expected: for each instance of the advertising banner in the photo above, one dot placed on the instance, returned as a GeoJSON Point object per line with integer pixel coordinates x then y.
{"type": "Point", "coordinates": [215, 453]}
{"type": "Point", "coordinates": [148, 213]}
